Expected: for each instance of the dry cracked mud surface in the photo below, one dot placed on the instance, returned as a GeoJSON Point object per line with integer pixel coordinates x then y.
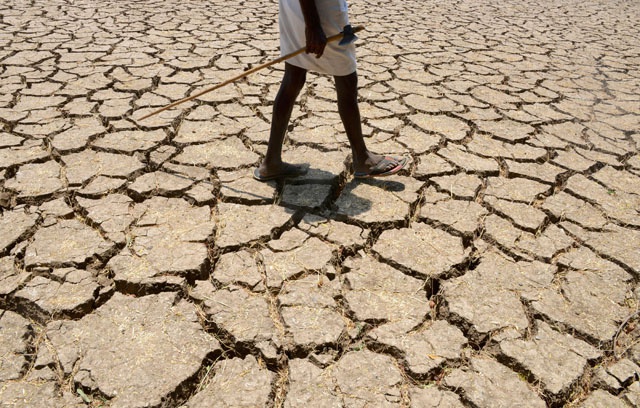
{"type": "Point", "coordinates": [142, 266]}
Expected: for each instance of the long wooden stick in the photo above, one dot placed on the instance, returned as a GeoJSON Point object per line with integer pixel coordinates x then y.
{"type": "Point", "coordinates": [245, 73]}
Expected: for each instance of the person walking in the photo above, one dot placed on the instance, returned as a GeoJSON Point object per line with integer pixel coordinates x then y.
{"type": "Point", "coordinates": [309, 22]}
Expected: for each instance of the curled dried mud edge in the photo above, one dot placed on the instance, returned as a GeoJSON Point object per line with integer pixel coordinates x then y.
{"type": "Point", "coordinates": [477, 341]}
{"type": "Point", "coordinates": [139, 289]}
{"type": "Point", "coordinates": [32, 311]}
{"type": "Point", "coordinates": [26, 236]}
{"type": "Point", "coordinates": [434, 374]}
{"type": "Point", "coordinates": [303, 351]}
{"type": "Point", "coordinates": [574, 390]}
{"type": "Point", "coordinates": [240, 349]}
{"type": "Point", "coordinates": [532, 314]}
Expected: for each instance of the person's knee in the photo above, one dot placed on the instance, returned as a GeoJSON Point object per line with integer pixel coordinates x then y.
{"type": "Point", "coordinates": [347, 94]}
{"type": "Point", "coordinates": [296, 84]}
{"type": "Point", "coordinates": [350, 80]}
{"type": "Point", "coordinates": [347, 85]}
{"type": "Point", "coordinates": [294, 78]}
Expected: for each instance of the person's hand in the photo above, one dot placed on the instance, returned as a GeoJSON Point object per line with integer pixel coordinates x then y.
{"type": "Point", "coordinates": [316, 41]}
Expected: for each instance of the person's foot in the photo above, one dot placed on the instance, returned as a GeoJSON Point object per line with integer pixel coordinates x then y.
{"type": "Point", "coordinates": [283, 170]}
{"type": "Point", "coordinates": [378, 166]}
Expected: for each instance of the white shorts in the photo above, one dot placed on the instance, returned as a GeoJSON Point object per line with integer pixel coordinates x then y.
{"type": "Point", "coordinates": [337, 59]}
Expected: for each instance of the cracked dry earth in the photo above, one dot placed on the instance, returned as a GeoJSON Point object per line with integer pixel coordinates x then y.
{"type": "Point", "coordinates": [142, 266]}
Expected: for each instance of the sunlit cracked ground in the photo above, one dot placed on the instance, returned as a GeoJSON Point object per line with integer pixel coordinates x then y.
{"type": "Point", "coordinates": [142, 266]}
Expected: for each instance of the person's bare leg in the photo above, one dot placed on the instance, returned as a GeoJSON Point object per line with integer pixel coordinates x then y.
{"type": "Point", "coordinates": [363, 159]}
{"type": "Point", "coordinates": [292, 83]}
